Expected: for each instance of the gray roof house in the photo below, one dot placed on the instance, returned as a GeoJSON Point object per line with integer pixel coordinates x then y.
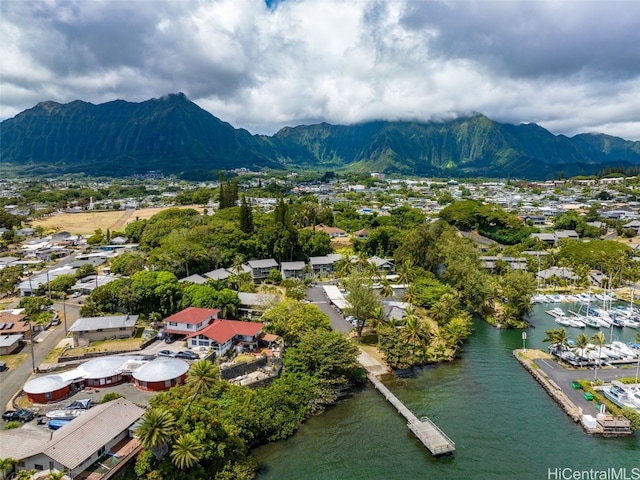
{"type": "Point", "coordinates": [324, 263]}
{"type": "Point", "coordinates": [79, 444]}
{"type": "Point", "coordinates": [260, 268]}
{"type": "Point", "coordinates": [195, 278]}
{"type": "Point", "coordinates": [93, 329]}
{"type": "Point", "coordinates": [560, 272]}
{"type": "Point", "coordinates": [292, 270]}
{"type": "Point", "coordinates": [220, 274]}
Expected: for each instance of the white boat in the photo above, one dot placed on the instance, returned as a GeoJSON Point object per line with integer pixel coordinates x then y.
{"type": "Point", "coordinates": [630, 323]}
{"type": "Point", "coordinates": [65, 414]}
{"type": "Point", "coordinates": [623, 348]}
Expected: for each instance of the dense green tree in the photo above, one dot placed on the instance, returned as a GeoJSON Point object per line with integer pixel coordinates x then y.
{"type": "Point", "coordinates": [291, 319]}
{"type": "Point", "coordinates": [517, 287]}
{"type": "Point", "coordinates": [246, 217]}
{"type": "Point", "coordinates": [362, 299]}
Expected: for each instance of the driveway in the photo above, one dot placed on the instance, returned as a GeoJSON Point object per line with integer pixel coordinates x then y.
{"type": "Point", "coordinates": [316, 296]}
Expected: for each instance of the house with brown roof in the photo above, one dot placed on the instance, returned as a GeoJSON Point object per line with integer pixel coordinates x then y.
{"type": "Point", "coordinates": [12, 324]}
{"type": "Point", "coordinates": [102, 430]}
{"type": "Point", "coordinates": [222, 335]}
{"type": "Point", "coordinates": [333, 232]}
{"type": "Point", "coordinates": [190, 320]}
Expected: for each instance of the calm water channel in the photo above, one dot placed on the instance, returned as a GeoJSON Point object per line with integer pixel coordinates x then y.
{"type": "Point", "coordinates": [503, 423]}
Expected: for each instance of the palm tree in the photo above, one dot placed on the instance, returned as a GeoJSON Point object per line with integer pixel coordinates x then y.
{"type": "Point", "coordinates": [386, 290]}
{"type": "Point", "coordinates": [59, 475]}
{"type": "Point", "coordinates": [155, 431]}
{"type": "Point", "coordinates": [344, 266]}
{"type": "Point", "coordinates": [186, 451]}
{"type": "Point", "coordinates": [444, 308]}
{"type": "Point", "coordinates": [582, 341]}
{"type": "Point", "coordinates": [599, 339]}
{"type": "Point", "coordinates": [405, 272]}
{"type": "Point", "coordinates": [557, 337]}
{"type": "Point", "coordinates": [411, 295]}
{"type": "Point", "coordinates": [6, 467]}
{"type": "Point", "coordinates": [202, 377]}
{"type": "Point", "coordinates": [413, 331]}
{"type": "Point", "coordinates": [377, 317]}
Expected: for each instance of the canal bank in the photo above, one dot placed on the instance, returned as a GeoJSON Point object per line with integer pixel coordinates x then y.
{"type": "Point", "coordinates": [577, 404]}
{"type": "Point", "coordinates": [504, 425]}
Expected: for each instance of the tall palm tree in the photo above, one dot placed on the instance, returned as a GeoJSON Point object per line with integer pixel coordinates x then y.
{"type": "Point", "coordinates": [202, 377]}
{"type": "Point", "coordinates": [386, 290]}
{"type": "Point", "coordinates": [344, 266]}
{"type": "Point", "coordinates": [155, 431]}
{"type": "Point", "coordinates": [187, 451]}
{"type": "Point", "coordinates": [377, 317]}
{"type": "Point", "coordinates": [414, 331]}
{"type": "Point", "coordinates": [405, 272]}
{"type": "Point", "coordinates": [599, 339]}
{"type": "Point", "coordinates": [411, 295]}
{"type": "Point", "coordinates": [557, 337]}
{"type": "Point", "coordinates": [581, 344]}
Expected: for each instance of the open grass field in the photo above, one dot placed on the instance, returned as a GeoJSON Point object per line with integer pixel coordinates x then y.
{"type": "Point", "coordinates": [85, 223]}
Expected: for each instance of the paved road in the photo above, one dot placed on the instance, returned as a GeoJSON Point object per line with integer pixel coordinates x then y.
{"type": "Point", "coordinates": [316, 296]}
{"type": "Point", "coordinates": [11, 381]}
{"type": "Point", "coordinates": [563, 378]}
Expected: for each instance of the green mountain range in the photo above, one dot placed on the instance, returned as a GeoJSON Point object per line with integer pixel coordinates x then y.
{"type": "Point", "coordinates": [174, 136]}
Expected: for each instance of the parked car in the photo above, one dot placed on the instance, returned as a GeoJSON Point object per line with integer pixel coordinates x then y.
{"type": "Point", "coordinates": [10, 416]}
{"type": "Point", "coordinates": [19, 415]}
{"type": "Point", "coordinates": [166, 353]}
{"type": "Point", "coordinates": [169, 338]}
{"type": "Point", "coordinates": [25, 415]}
{"type": "Point", "coordinates": [55, 321]}
{"type": "Point", "coordinates": [188, 355]}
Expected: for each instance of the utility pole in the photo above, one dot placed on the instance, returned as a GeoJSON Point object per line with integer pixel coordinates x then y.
{"type": "Point", "coordinates": [64, 311]}
{"type": "Point", "coordinates": [33, 358]}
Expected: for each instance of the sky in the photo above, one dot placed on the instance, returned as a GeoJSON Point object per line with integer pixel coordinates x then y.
{"type": "Point", "coordinates": [571, 66]}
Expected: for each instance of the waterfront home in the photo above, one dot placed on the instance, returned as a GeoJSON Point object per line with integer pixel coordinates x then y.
{"type": "Point", "coordinates": [93, 329]}
{"type": "Point", "coordinates": [78, 444]}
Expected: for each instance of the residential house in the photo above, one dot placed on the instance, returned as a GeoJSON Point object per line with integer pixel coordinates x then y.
{"type": "Point", "coordinates": [222, 335]}
{"type": "Point", "coordinates": [221, 273]}
{"type": "Point", "coordinates": [103, 430]}
{"type": "Point", "coordinates": [382, 265]}
{"type": "Point", "coordinates": [292, 270]}
{"type": "Point", "coordinates": [190, 320]}
{"type": "Point", "coordinates": [562, 273]}
{"type": "Point", "coordinates": [514, 263]}
{"type": "Point", "coordinates": [8, 326]}
{"type": "Point", "coordinates": [195, 278]}
{"type": "Point", "coordinates": [324, 264]}
{"type": "Point", "coordinates": [94, 329]}
{"type": "Point", "coordinates": [361, 234]}
{"type": "Point", "coordinates": [260, 268]}
{"type": "Point", "coordinates": [252, 305]}
{"type": "Point", "coordinates": [333, 232]}
{"type": "Point", "coordinates": [9, 343]}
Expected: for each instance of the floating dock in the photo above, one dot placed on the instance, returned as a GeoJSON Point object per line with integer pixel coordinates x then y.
{"type": "Point", "coordinates": [424, 429]}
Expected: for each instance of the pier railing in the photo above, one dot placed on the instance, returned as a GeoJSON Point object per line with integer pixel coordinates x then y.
{"type": "Point", "coordinates": [424, 429]}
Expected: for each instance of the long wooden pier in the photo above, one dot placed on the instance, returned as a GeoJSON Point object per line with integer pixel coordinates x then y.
{"type": "Point", "coordinates": [424, 429]}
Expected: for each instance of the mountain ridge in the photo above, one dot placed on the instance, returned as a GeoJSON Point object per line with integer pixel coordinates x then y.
{"type": "Point", "coordinates": [174, 135]}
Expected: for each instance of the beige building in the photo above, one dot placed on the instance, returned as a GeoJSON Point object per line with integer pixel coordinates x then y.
{"type": "Point", "coordinates": [95, 329]}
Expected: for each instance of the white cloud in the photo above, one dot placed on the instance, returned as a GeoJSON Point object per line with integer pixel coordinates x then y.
{"type": "Point", "coordinates": [571, 66]}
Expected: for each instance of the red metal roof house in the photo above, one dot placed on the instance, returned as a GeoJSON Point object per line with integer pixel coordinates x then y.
{"type": "Point", "coordinates": [221, 335]}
